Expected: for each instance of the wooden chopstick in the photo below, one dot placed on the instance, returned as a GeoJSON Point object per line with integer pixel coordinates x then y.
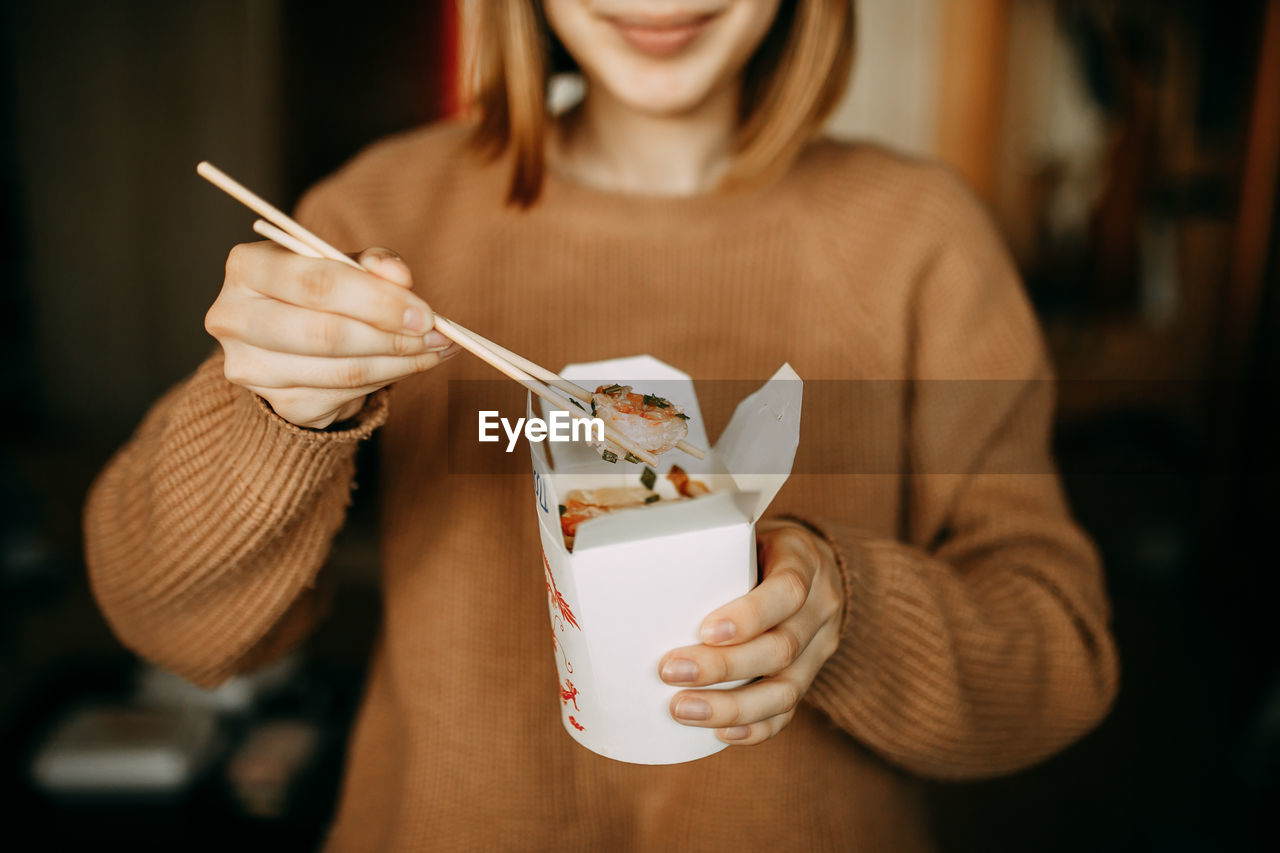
{"type": "Point", "coordinates": [284, 238]}
{"type": "Point", "coordinates": [468, 341]}
{"type": "Point", "coordinates": [270, 212]}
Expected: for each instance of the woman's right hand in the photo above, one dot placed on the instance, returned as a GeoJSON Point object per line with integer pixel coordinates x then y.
{"type": "Point", "coordinates": [314, 337]}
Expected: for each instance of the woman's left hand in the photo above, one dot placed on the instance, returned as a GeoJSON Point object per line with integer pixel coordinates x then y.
{"type": "Point", "coordinates": [781, 632]}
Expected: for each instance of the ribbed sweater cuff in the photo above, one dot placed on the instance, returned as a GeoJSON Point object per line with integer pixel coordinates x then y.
{"type": "Point", "coordinates": [837, 682]}
{"type": "Point", "coordinates": [268, 426]}
{"type": "Point", "coordinates": [269, 467]}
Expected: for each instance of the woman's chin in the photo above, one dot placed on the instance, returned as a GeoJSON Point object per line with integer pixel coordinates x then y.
{"type": "Point", "coordinates": [661, 95]}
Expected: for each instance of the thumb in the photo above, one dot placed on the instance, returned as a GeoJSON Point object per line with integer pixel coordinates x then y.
{"type": "Point", "coordinates": [386, 264]}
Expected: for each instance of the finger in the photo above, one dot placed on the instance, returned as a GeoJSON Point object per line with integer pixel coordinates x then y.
{"type": "Point", "coordinates": [756, 732]}
{"type": "Point", "coordinates": [781, 594]}
{"type": "Point", "coordinates": [267, 369]}
{"type": "Point", "coordinates": [751, 703]}
{"type": "Point", "coordinates": [387, 264]}
{"type": "Point", "coordinates": [767, 654]}
{"type": "Point", "coordinates": [280, 327]}
{"type": "Point", "coordinates": [320, 407]}
{"type": "Point", "coordinates": [331, 287]}
{"type": "Point", "coordinates": [342, 393]}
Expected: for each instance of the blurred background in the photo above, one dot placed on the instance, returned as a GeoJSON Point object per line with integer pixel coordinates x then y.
{"type": "Point", "coordinates": [1127, 148]}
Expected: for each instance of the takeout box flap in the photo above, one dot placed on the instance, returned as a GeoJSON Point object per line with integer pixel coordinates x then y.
{"type": "Point", "coordinates": [758, 447]}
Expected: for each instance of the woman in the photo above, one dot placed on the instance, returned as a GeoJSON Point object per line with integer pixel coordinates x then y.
{"type": "Point", "coordinates": [927, 605]}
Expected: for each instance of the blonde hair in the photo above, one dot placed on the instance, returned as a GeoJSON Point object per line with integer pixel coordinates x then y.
{"type": "Point", "coordinates": [789, 86]}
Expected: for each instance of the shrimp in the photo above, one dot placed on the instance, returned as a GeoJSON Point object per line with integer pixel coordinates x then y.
{"type": "Point", "coordinates": [650, 421]}
{"type": "Point", "coordinates": [684, 485]}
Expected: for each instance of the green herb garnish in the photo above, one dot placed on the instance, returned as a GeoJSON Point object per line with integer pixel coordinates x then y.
{"type": "Point", "coordinates": [648, 478]}
{"type": "Point", "coordinates": [609, 456]}
{"type": "Point", "coordinates": [631, 457]}
{"type": "Point", "coordinates": [562, 508]}
{"type": "Point", "coordinates": [612, 389]}
{"type": "Point", "coordinates": [593, 408]}
{"type": "Point", "coordinates": [579, 405]}
{"type": "Point", "coordinates": [654, 400]}
{"type": "Point", "coordinates": [682, 416]}
{"type": "Point", "coordinates": [651, 498]}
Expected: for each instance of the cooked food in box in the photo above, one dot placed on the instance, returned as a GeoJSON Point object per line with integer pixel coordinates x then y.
{"type": "Point", "coordinates": [583, 504]}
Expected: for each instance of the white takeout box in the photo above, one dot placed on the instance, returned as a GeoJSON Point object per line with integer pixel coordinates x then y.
{"type": "Point", "coordinates": [640, 581]}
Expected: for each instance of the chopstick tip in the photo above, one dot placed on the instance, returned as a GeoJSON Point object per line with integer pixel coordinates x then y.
{"type": "Point", "coordinates": [212, 173]}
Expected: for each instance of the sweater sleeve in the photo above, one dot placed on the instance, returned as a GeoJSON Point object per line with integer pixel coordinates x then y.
{"type": "Point", "coordinates": [978, 643]}
{"type": "Point", "coordinates": [205, 533]}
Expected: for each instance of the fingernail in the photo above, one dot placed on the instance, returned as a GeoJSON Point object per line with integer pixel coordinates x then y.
{"type": "Point", "coordinates": [693, 709]}
{"type": "Point", "coordinates": [736, 733]}
{"type": "Point", "coordinates": [415, 319]}
{"type": "Point", "coordinates": [394, 269]}
{"type": "Point", "coordinates": [449, 353]}
{"type": "Point", "coordinates": [436, 341]}
{"type": "Point", "coordinates": [718, 632]}
{"type": "Point", "coordinates": [679, 670]}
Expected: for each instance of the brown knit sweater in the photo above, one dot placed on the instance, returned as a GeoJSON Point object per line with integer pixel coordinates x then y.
{"type": "Point", "coordinates": [975, 637]}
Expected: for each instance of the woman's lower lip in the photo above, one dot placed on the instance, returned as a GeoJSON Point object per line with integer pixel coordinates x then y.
{"type": "Point", "coordinates": [662, 40]}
